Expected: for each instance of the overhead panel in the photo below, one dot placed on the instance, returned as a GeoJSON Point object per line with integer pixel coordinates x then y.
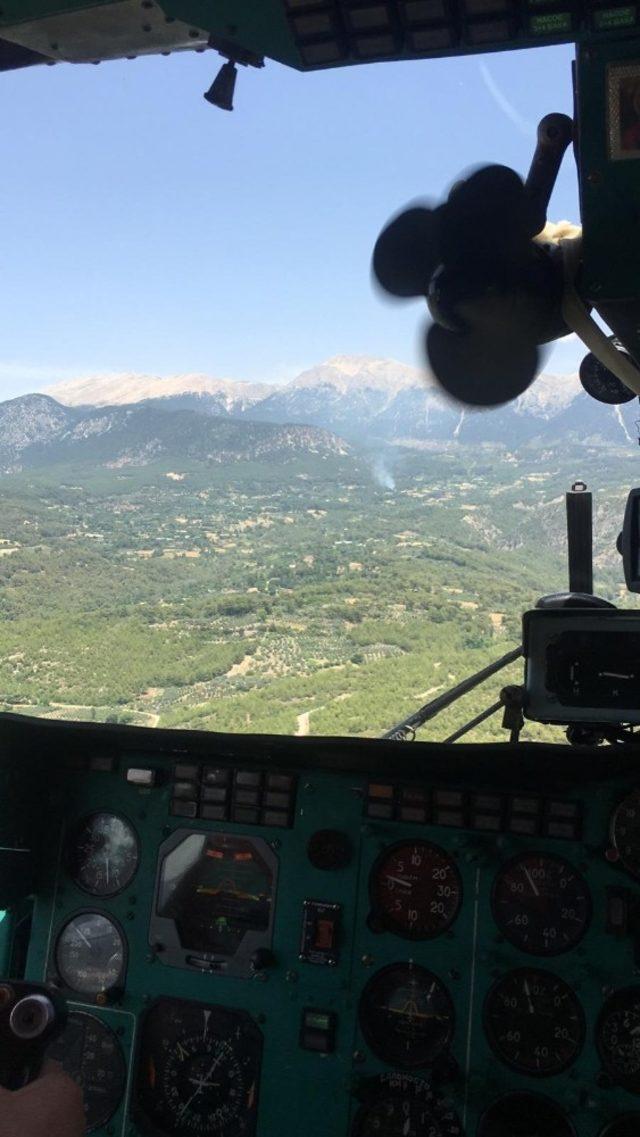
{"type": "Point", "coordinates": [76, 33]}
{"type": "Point", "coordinates": [304, 34]}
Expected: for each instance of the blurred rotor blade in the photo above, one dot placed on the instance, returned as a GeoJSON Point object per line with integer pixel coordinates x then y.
{"type": "Point", "coordinates": [406, 253]}
{"type": "Point", "coordinates": [488, 218]}
{"type": "Point", "coordinates": [480, 369]}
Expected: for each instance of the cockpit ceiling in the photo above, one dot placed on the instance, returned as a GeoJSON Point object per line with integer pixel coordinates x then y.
{"type": "Point", "coordinates": [304, 34]}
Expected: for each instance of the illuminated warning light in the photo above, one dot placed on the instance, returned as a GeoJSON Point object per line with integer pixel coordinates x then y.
{"type": "Point", "coordinates": [324, 935]}
{"type": "Point", "coordinates": [217, 854]}
{"type": "Point", "coordinates": [243, 856]}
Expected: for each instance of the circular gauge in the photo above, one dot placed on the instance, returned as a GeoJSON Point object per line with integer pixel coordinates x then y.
{"type": "Point", "coordinates": [599, 382]}
{"type": "Point", "coordinates": [406, 1015]}
{"type": "Point", "coordinates": [102, 855]}
{"type": "Point", "coordinates": [198, 1071]}
{"type": "Point", "coordinates": [416, 890]}
{"type": "Point", "coordinates": [90, 1054]}
{"type": "Point", "coordinates": [625, 832]}
{"type": "Point", "coordinates": [534, 1022]}
{"type": "Point", "coordinates": [90, 954]}
{"type": "Point", "coordinates": [399, 1105]}
{"type": "Point", "coordinates": [627, 1125]}
{"type": "Point", "coordinates": [618, 1038]}
{"type": "Point", "coordinates": [525, 1115]}
{"type": "Point", "coordinates": [541, 903]}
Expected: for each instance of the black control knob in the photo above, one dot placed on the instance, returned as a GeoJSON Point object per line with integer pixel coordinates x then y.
{"type": "Point", "coordinates": [261, 959]}
{"type": "Point", "coordinates": [31, 1016]}
{"type": "Point", "coordinates": [329, 849]}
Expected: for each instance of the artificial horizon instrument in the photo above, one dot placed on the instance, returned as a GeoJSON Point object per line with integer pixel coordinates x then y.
{"type": "Point", "coordinates": [245, 936]}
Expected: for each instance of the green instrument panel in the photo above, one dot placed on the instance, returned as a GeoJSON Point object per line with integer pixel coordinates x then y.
{"type": "Point", "coordinates": [335, 938]}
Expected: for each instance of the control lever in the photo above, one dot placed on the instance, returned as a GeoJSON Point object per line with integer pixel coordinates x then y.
{"type": "Point", "coordinates": [555, 133]}
{"type": "Point", "coordinates": [31, 1016]}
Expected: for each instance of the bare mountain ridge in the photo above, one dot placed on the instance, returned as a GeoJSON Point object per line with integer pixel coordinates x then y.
{"type": "Point", "coordinates": [367, 399]}
{"type": "Point", "coordinates": [344, 374]}
{"type": "Point", "coordinates": [128, 387]}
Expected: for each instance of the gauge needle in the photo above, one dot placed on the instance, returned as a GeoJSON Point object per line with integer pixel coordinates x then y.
{"type": "Point", "coordinates": [198, 1090]}
{"type": "Point", "coordinates": [200, 1083]}
{"type": "Point", "coordinates": [83, 937]}
{"type": "Point", "coordinates": [527, 992]}
{"type": "Point", "coordinates": [411, 1013]}
{"type": "Point", "coordinates": [532, 882]}
{"type": "Point", "coordinates": [106, 862]}
{"type": "Point", "coordinates": [399, 880]}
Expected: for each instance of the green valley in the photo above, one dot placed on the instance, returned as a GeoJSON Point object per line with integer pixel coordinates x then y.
{"type": "Point", "coordinates": [293, 596]}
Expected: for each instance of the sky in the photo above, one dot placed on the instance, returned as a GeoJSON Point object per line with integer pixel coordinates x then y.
{"type": "Point", "coordinates": [147, 231]}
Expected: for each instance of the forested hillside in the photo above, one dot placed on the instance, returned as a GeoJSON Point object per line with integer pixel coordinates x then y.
{"type": "Point", "coordinates": [314, 592]}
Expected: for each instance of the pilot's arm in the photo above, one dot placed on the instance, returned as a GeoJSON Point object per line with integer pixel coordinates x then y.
{"type": "Point", "coordinates": [51, 1106]}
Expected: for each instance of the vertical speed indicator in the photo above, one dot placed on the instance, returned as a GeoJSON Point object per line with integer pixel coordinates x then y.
{"type": "Point", "coordinates": [541, 903]}
{"type": "Point", "coordinates": [415, 890]}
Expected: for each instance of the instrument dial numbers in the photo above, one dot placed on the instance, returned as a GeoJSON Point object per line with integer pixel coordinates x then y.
{"type": "Point", "coordinates": [541, 904]}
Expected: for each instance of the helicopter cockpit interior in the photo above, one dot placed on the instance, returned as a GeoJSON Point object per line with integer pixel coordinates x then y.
{"type": "Point", "coordinates": [249, 935]}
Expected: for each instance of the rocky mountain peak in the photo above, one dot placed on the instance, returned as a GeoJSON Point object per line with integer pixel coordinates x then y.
{"type": "Point", "coordinates": [349, 372]}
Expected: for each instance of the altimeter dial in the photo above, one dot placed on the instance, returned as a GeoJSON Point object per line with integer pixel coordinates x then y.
{"type": "Point", "coordinates": [534, 1022]}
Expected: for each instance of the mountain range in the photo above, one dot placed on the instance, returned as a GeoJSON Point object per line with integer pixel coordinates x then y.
{"type": "Point", "coordinates": [36, 431]}
{"type": "Point", "coordinates": [362, 398]}
{"type": "Point", "coordinates": [132, 419]}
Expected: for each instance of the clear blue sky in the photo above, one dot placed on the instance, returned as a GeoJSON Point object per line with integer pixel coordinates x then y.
{"type": "Point", "coordinates": [144, 230]}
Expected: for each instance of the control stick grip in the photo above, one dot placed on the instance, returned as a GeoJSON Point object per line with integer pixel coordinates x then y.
{"type": "Point", "coordinates": [31, 1016]}
{"type": "Point", "coordinates": [555, 134]}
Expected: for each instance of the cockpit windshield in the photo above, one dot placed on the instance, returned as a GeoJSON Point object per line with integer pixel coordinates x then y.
{"type": "Point", "coordinates": [233, 496]}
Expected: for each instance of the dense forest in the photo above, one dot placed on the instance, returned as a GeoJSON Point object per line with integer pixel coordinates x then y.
{"type": "Point", "coordinates": [315, 594]}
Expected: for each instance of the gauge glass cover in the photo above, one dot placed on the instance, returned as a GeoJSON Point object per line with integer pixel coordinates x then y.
{"type": "Point", "coordinates": [541, 903]}
{"type": "Point", "coordinates": [525, 1115]}
{"type": "Point", "coordinates": [90, 954]}
{"type": "Point", "coordinates": [198, 1071]}
{"type": "Point", "coordinates": [628, 1125]}
{"type": "Point", "coordinates": [416, 890]}
{"type": "Point", "coordinates": [103, 854]}
{"type": "Point", "coordinates": [91, 1054]}
{"type": "Point", "coordinates": [618, 1038]}
{"type": "Point", "coordinates": [215, 899]}
{"type": "Point", "coordinates": [625, 832]}
{"type": "Point", "coordinates": [400, 1105]}
{"type": "Point", "coordinates": [406, 1015]}
{"type": "Point", "coordinates": [534, 1022]}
